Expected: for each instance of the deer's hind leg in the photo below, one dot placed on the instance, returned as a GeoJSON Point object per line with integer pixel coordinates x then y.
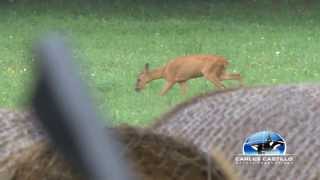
{"type": "Point", "coordinates": [166, 88]}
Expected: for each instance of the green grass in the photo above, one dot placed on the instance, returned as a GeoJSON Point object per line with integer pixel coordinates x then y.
{"type": "Point", "coordinates": [112, 41]}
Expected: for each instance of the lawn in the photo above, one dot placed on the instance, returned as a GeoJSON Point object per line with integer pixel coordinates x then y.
{"type": "Point", "coordinates": [112, 41]}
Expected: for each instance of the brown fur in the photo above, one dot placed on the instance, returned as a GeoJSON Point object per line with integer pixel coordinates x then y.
{"type": "Point", "coordinates": [19, 129]}
{"type": "Point", "coordinates": [152, 156]}
{"type": "Point", "coordinates": [181, 69]}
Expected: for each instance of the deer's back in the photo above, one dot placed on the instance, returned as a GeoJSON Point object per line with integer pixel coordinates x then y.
{"type": "Point", "coordinates": [186, 67]}
{"type": "Point", "coordinates": [223, 120]}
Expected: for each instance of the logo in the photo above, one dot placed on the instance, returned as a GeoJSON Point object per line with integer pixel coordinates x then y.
{"type": "Point", "coordinates": [264, 143]}
{"type": "Point", "coordinates": [264, 147]}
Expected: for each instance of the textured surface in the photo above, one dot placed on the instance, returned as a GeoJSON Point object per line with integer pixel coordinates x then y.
{"type": "Point", "coordinates": [26, 154]}
{"type": "Point", "coordinates": [18, 131]}
{"type": "Point", "coordinates": [152, 157]}
{"type": "Point", "coordinates": [218, 121]}
{"type": "Point", "coordinates": [223, 120]}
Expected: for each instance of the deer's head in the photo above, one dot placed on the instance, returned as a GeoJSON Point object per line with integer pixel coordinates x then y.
{"type": "Point", "coordinates": [143, 78]}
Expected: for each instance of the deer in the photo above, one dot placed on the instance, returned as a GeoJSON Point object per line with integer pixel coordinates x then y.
{"type": "Point", "coordinates": [225, 118]}
{"type": "Point", "coordinates": [184, 68]}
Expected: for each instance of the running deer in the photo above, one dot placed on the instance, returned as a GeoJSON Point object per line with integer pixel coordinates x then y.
{"type": "Point", "coordinates": [223, 119]}
{"type": "Point", "coordinates": [181, 69]}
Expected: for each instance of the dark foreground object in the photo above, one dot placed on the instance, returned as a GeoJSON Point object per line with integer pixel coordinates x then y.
{"type": "Point", "coordinates": [65, 110]}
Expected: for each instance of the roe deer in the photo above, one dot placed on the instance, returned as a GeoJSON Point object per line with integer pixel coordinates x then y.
{"type": "Point", "coordinates": [30, 156]}
{"type": "Point", "coordinates": [181, 69]}
{"type": "Point", "coordinates": [223, 119]}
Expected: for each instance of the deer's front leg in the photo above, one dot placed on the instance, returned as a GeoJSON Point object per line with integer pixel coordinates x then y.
{"type": "Point", "coordinates": [211, 75]}
{"type": "Point", "coordinates": [232, 76]}
{"type": "Point", "coordinates": [215, 80]}
{"type": "Point", "coordinates": [183, 86]}
{"type": "Point", "coordinates": [166, 88]}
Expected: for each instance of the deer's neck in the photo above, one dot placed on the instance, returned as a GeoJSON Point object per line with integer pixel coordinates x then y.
{"type": "Point", "coordinates": [156, 74]}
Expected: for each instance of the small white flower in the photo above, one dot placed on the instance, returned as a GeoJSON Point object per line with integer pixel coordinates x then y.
{"type": "Point", "coordinates": [262, 38]}
{"type": "Point", "coordinates": [24, 69]}
{"type": "Point", "coordinates": [93, 74]}
{"type": "Point", "coordinates": [278, 53]}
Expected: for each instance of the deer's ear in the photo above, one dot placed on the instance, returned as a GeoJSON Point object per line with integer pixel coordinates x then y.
{"type": "Point", "coordinates": [146, 67]}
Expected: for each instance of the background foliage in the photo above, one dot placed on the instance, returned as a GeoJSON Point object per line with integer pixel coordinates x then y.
{"type": "Point", "coordinates": [267, 43]}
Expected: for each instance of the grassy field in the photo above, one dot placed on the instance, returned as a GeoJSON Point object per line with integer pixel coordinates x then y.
{"type": "Point", "coordinates": [113, 40]}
